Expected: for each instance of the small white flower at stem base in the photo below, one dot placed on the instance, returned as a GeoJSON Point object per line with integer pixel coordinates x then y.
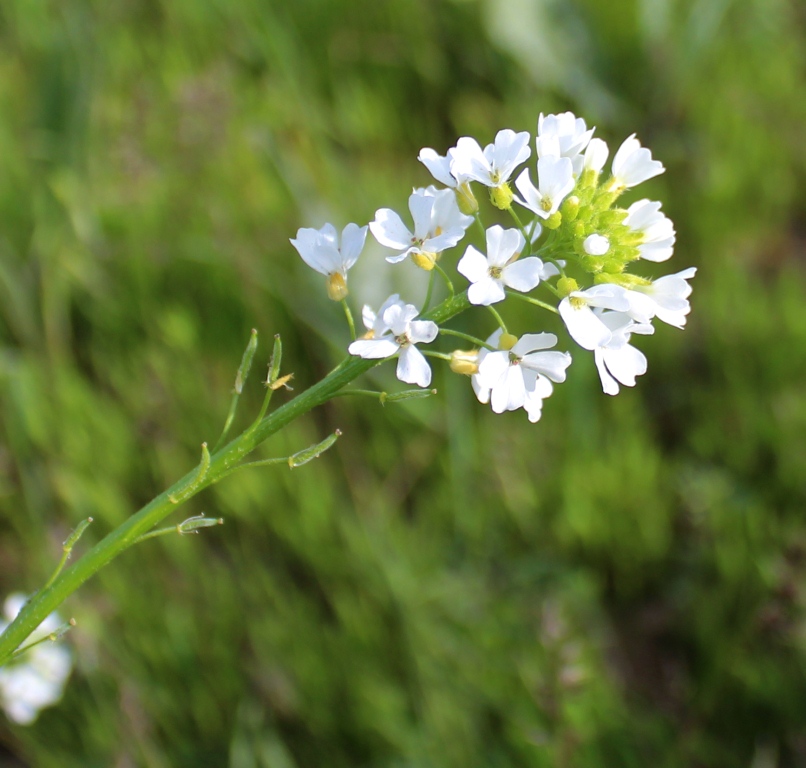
{"type": "Point", "coordinates": [320, 250]}
{"type": "Point", "coordinates": [400, 335]}
{"type": "Point", "coordinates": [618, 361]}
{"type": "Point", "coordinates": [35, 680]}
{"type": "Point", "coordinates": [633, 164]}
{"type": "Point", "coordinates": [665, 298]}
{"type": "Point", "coordinates": [500, 268]}
{"type": "Point", "coordinates": [555, 180]}
{"type": "Point", "coordinates": [438, 225]}
{"type": "Point", "coordinates": [596, 245]}
{"type": "Point", "coordinates": [656, 230]}
{"type": "Point", "coordinates": [520, 375]}
{"type": "Point", "coordinates": [585, 326]}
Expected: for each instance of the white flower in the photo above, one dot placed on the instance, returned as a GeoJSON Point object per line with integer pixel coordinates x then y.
{"type": "Point", "coordinates": [595, 155]}
{"type": "Point", "coordinates": [438, 225]}
{"type": "Point", "coordinates": [665, 298]}
{"type": "Point", "coordinates": [596, 245]}
{"type": "Point", "coordinates": [657, 231]}
{"type": "Point", "coordinates": [563, 135]}
{"type": "Point", "coordinates": [490, 274]}
{"type": "Point", "coordinates": [585, 326]}
{"type": "Point", "coordinates": [617, 360]}
{"type": "Point", "coordinates": [634, 164]}
{"type": "Point", "coordinates": [320, 250]}
{"type": "Point", "coordinates": [555, 179]}
{"type": "Point", "coordinates": [494, 165]}
{"type": "Point", "coordinates": [399, 335]}
{"type": "Point", "coordinates": [440, 167]}
{"type": "Point", "coordinates": [36, 680]}
{"type": "Point", "coordinates": [373, 322]}
{"type": "Point", "coordinates": [519, 377]}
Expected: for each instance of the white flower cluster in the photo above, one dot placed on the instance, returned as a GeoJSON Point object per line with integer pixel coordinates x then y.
{"type": "Point", "coordinates": [37, 679]}
{"type": "Point", "coordinates": [577, 248]}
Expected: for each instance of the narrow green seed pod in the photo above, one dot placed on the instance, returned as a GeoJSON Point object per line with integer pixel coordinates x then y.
{"type": "Point", "coordinates": [246, 363]}
{"type": "Point", "coordinates": [314, 452]}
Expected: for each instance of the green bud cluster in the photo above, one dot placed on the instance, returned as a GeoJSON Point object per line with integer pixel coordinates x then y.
{"type": "Point", "coordinates": [590, 210]}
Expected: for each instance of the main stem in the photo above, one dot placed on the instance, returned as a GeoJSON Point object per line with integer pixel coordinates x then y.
{"type": "Point", "coordinates": [48, 599]}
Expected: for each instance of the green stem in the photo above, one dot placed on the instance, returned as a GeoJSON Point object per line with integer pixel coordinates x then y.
{"type": "Point", "coordinates": [429, 291]}
{"type": "Point", "coordinates": [481, 227]}
{"type": "Point", "coordinates": [498, 318]}
{"type": "Point", "coordinates": [437, 355]}
{"type": "Point", "coordinates": [349, 316]}
{"type": "Point", "coordinates": [445, 277]}
{"type": "Point", "coordinates": [466, 337]}
{"type": "Point", "coordinates": [530, 300]}
{"type": "Point", "coordinates": [520, 226]}
{"type": "Point", "coordinates": [51, 597]}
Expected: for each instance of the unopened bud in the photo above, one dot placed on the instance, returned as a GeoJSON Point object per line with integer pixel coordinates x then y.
{"type": "Point", "coordinates": [553, 221]}
{"type": "Point", "coordinates": [507, 341]}
{"type": "Point", "coordinates": [501, 197]}
{"type": "Point", "coordinates": [570, 208]}
{"type": "Point", "coordinates": [466, 200]}
{"type": "Point", "coordinates": [336, 286]}
{"type": "Point", "coordinates": [465, 362]}
{"type": "Point", "coordinates": [424, 260]}
{"type": "Point", "coordinates": [566, 285]}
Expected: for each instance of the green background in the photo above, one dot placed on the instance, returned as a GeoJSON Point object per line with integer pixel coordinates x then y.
{"type": "Point", "coordinates": [621, 584]}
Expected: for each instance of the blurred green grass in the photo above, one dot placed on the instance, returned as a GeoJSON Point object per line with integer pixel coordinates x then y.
{"type": "Point", "coordinates": [622, 583]}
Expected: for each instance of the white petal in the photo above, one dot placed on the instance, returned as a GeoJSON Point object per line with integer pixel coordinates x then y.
{"type": "Point", "coordinates": [509, 392]}
{"type": "Point", "coordinates": [423, 331]}
{"type": "Point", "coordinates": [421, 203]}
{"type": "Point", "coordinates": [585, 328]}
{"type": "Point", "coordinates": [413, 368]}
{"type": "Point", "coordinates": [609, 384]}
{"type": "Point", "coordinates": [625, 363]}
{"type": "Point", "coordinates": [389, 230]}
{"type": "Point", "coordinates": [440, 167]}
{"type": "Point", "coordinates": [492, 367]}
{"type": "Point", "coordinates": [353, 238]}
{"type": "Point", "coordinates": [473, 265]}
{"type": "Point", "coordinates": [634, 164]}
{"type": "Point", "coordinates": [511, 149]}
{"type": "Point", "coordinates": [531, 194]}
{"type": "Point", "coordinates": [552, 365]}
{"type": "Point", "coordinates": [373, 349]}
{"type": "Point", "coordinates": [606, 295]}
{"type": "Point", "coordinates": [596, 155]}
{"type": "Point", "coordinates": [468, 160]}
{"type": "Point", "coordinates": [531, 342]}
{"type": "Point", "coordinates": [486, 291]}
{"type": "Point", "coordinates": [443, 241]}
{"type": "Point", "coordinates": [523, 275]}
{"type": "Point", "coordinates": [503, 244]}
